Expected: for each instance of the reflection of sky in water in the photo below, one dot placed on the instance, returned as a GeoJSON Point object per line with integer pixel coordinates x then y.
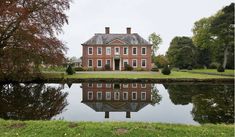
{"type": "Point", "coordinates": [165, 112]}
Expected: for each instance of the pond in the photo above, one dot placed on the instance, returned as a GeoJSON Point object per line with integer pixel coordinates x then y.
{"type": "Point", "coordinates": [185, 103]}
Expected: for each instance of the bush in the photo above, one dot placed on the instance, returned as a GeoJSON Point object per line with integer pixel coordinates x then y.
{"type": "Point", "coordinates": [220, 68]}
{"type": "Point", "coordinates": [139, 69]}
{"type": "Point", "coordinates": [214, 65]}
{"type": "Point", "coordinates": [127, 67]}
{"type": "Point", "coordinates": [155, 69]}
{"type": "Point", "coordinates": [189, 68]}
{"type": "Point", "coordinates": [70, 70]}
{"type": "Point", "coordinates": [198, 66]}
{"type": "Point", "coordinates": [166, 70]}
{"type": "Point", "coordinates": [107, 67]}
{"type": "Point", "coordinates": [79, 69]}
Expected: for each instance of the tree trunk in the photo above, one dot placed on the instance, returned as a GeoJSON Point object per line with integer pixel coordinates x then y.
{"type": "Point", "coordinates": [225, 57]}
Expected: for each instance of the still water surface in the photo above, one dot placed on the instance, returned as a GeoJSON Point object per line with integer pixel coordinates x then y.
{"type": "Point", "coordinates": [147, 102]}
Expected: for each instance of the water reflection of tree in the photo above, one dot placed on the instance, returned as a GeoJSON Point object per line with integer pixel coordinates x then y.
{"type": "Point", "coordinates": [31, 101]}
{"type": "Point", "coordinates": [211, 103]}
{"type": "Point", "coordinates": [156, 98]}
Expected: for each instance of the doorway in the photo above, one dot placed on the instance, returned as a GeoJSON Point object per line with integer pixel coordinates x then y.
{"type": "Point", "coordinates": [117, 64]}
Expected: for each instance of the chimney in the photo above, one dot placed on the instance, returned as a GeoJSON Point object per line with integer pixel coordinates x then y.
{"type": "Point", "coordinates": [106, 30]}
{"type": "Point", "coordinates": [128, 30]}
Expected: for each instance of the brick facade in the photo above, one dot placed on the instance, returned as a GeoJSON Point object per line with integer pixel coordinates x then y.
{"type": "Point", "coordinates": [114, 57]}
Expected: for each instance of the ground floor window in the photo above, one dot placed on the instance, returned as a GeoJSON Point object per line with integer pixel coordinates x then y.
{"type": "Point", "coordinates": [134, 63]}
{"type": "Point", "coordinates": [143, 63]}
{"type": "Point", "coordinates": [116, 95]}
{"type": "Point", "coordinates": [99, 95]}
{"type": "Point", "coordinates": [143, 95]}
{"type": "Point", "coordinates": [108, 95]}
{"type": "Point", "coordinates": [125, 95]}
{"type": "Point", "coordinates": [90, 63]}
{"type": "Point", "coordinates": [125, 62]}
{"type": "Point", "coordinates": [99, 63]}
{"type": "Point", "coordinates": [90, 95]}
{"type": "Point", "coordinates": [134, 95]}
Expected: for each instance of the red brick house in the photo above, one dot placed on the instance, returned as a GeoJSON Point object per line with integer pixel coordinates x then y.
{"type": "Point", "coordinates": [117, 50]}
{"type": "Point", "coordinates": [115, 97]}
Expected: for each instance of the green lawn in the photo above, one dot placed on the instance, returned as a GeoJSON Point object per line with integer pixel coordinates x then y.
{"type": "Point", "coordinates": [109, 129]}
{"type": "Point", "coordinates": [214, 71]}
{"type": "Point", "coordinates": [155, 75]}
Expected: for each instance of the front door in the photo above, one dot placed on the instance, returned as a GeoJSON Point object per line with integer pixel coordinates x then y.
{"type": "Point", "coordinates": [117, 61]}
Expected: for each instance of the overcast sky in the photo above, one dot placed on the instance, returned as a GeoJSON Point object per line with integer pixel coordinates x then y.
{"type": "Point", "coordinates": [169, 18]}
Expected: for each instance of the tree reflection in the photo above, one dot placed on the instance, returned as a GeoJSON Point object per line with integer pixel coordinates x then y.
{"type": "Point", "coordinates": [31, 101]}
{"type": "Point", "coordinates": [211, 103]}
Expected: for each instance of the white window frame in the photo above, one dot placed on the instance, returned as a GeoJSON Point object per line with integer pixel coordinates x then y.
{"type": "Point", "coordinates": [142, 96]}
{"type": "Point", "coordinates": [91, 95]}
{"type": "Point", "coordinates": [118, 50]}
{"type": "Point", "coordinates": [99, 85]}
{"type": "Point", "coordinates": [142, 50]}
{"type": "Point", "coordinates": [107, 61]}
{"type": "Point", "coordinates": [133, 50]}
{"type": "Point", "coordinates": [91, 63]}
{"type": "Point", "coordinates": [145, 63]}
{"type": "Point", "coordinates": [116, 97]}
{"type": "Point", "coordinates": [98, 50]}
{"type": "Point", "coordinates": [126, 95]}
{"type": "Point", "coordinates": [125, 85]}
{"type": "Point", "coordinates": [124, 50]}
{"type": "Point", "coordinates": [133, 63]}
{"type": "Point", "coordinates": [99, 92]}
{"type": "Point", "coordinates": [106, 95]}
{"type": "Point", "coordinates": [107, 52]}
{"type": "Point", "coordinates": [133, 96]}
{"type": "Point", "coordinates": [134, 86]}
{"type": "Point", "coordinates": [98, 63]}
{"type": "Point", "coordinates": [91, 50]}
{"type": "Point", "coordinates": [125, 60]}
{"type": "Point", "coordinates": [143, 86]}
{"type": "Point", "coordinates": [91, 85]}
{"type": "Point", "coordinates": [108, 85]}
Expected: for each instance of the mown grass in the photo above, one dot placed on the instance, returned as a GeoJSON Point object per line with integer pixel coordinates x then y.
{"type": "Point", "coordinates": [156, 75]}
{"type": "Point", "coordinates": [109, 129]}
{"type": "Point", "coordinates": [214, 71]}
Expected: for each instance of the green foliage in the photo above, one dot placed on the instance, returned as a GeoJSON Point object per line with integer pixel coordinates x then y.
{"type": "Point", "coordinates": [190, 68]}
{"type": "Point", "coordinates": [182, 52]}
{"type": "Point", "coordinates": [70, 70]}
{"type": "Point", "coordinates": [166, 70]}
{"type": "Point", "coordinates": [156, 40]}
{"type": "Point", "coordinates": [139, 69]}
{"type": "Point", "coordinates": [160, 61]}
{"type": "Point", "coordinates": [214, 65]}
{"type": "Point", "coordinates": [220, 68]}
{"type": "Point", "coordinates": [156, 69]}
{"type": "Point", "coordinates": [127, 67]}
{"type": "Point", "coordinates": [78, 69]}
{"type": "Point", "coordinates": [107, 67]}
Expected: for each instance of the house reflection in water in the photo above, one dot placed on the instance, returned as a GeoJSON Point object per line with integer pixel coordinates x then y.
{"type": "Point", "coordinates": [115, 97]}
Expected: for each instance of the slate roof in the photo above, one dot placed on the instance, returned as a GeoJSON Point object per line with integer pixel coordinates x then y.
{"type": "Point", "coordinates": [129, 39]}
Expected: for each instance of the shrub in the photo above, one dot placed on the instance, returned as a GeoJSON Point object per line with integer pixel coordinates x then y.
{"type": "Point", "coordinates": [198, 66]}
{"type": "Point", "coordinates": [189, 68]}
{"type": "Point", "coordinates": [214, 65]}
{"type": "Point", "coordinates": [127, 67]}
{"type": "Point", "coordinates": [139, 69]}
{"type": "Point", "coordinates": [155, 69]}
{"type": "Point", "coordinates": [90, 69]}
{"type": "Point", "coordinates": [70, 70]}
{"type": "Point", "coordinates": [166, 70]}
{"type": "Point", "coordinates": [220, 68]}
{"type": "Point", "coordinates": [79, 69]}
{"type": "Point", "coordinates": [107, 67]}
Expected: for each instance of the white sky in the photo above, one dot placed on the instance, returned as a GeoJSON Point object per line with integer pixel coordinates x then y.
{"type": "Point", "coordinates": [169, 18]}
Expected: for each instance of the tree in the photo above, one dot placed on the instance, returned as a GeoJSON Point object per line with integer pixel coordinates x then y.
{"type": "Point", "coordinates": [222, 30]}
{"type": "Point", "coordinates": [160, 61]}
{"type": "Point", "coordinates": [28, 32]}
{"type": "Point", "coordinates": [156, 40]}
{"type": "Point", "coordinates": [181, 52]}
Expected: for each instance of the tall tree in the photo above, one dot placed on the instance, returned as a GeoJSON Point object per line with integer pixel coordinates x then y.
{"type": "Point", "coordinates": [28, 30]}
{"type": "Point", "coordinates": [222, 30]}
{"type": "Point", "coordinates": [181, 52]}
{"type": "Point", "coordinates": [156, 40]}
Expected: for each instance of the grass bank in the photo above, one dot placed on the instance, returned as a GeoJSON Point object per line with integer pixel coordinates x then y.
{"type": "Point", "coordinates": [108, 129]}
{"type": "Point", "coordinates": [227, 72]}
{"type": "Point", "coordinates": [131, 75]}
